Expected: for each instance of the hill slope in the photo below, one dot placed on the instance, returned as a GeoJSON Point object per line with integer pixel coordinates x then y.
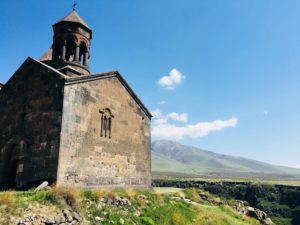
{"type": "Point", "coordinates": [169, 156]}
{"type": "Point", "coordinates": [58, 206]}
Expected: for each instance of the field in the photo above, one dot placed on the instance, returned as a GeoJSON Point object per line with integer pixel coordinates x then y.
{"type": "Point", "coordinates": [233, 177]}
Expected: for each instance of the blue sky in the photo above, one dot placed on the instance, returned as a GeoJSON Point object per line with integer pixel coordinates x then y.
{"type": "Point", "coordinates": [231, 68]}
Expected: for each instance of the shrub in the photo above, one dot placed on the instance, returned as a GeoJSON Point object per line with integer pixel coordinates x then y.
{"type": "Point", "coordinates": [296, 219]}
{"type": "Point", "coordinates": [7, 198]}
{"type": "Point", "coordinates": [112, 195]}
{"type": "Point", "coordinates": [147, 221]}
{"type": "Point", "coordinates": [100, 193]}
{"type": "Point", "coordinates": [88, 194]}
{"type": "Point", "coordinates": [131, 194]}
{"type": "Point", "coordinates": [275, 209]}
{"type": "Point", "coordinates": [67, 194]}
{"type": "Point", "coordinates": [291, 197]}
{"type": "Point", "coordinates": [44, 197]}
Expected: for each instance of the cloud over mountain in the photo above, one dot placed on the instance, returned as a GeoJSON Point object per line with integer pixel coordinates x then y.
{"type": "Point", "coordinates": [168, 127]}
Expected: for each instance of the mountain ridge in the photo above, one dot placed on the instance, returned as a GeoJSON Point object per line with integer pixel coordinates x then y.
{"type": "Point", "coordinates": [171, 156]}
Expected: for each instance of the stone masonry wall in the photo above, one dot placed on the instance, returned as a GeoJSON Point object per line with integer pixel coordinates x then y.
{"type": "Point", "coordinates": [86, 158]}
{"type": "Point", "coordinates": [30, 123]}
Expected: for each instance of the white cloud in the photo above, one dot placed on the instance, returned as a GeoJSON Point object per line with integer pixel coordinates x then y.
{"type": "Point", "coordinates": [296, 166]}
{"type": "Point", "coordinates": [204, 128]}
{"type": "Point", "coordinates": [164, 128]}
{"type": "Point", "coordinates": [168, 131]}
{"type": "Point", "coordinates": [159, 118]}
{"type": "Point", "coordinates": [160, 121]}
{"type": "Point", "coordinates": [170, 81]}
{"type": "Point", "coordinates": [178, 117]}
{"type": "Point", "coordinates": [201, 129]}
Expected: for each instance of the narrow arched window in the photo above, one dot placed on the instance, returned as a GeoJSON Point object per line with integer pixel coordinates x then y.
{"type": "Point", "coordinates": [106, 122]}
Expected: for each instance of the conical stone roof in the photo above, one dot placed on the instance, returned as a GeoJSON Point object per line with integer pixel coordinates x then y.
{"type": "Point", "coordinates": [74, 18]}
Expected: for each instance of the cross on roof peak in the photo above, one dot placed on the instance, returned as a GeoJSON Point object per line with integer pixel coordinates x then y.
{"type": "Point", "coordinates": [74, 6]}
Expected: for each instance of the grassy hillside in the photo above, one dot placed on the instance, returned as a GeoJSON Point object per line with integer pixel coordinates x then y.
{"type": "Point", "coordinates": [72, 206]}
{"type": "Point", "coordinates": [280, 202]}
{"type": "Point", "coordinates": [168, 156]}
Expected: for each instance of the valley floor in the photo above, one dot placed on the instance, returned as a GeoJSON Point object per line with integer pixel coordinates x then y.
{"type": "Point", "coordinates": [273, 179]}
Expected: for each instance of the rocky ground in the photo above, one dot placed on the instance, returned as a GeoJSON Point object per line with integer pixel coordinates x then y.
{"type": "Point", "coordinates": [45, 214]}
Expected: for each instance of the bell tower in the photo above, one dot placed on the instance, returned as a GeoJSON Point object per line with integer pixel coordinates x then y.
{"type": "Point", "coordinates": [71, 45]}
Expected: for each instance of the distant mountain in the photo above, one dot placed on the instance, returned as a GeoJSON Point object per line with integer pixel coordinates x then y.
{"type": "Point", "coordinates": [170, 156]}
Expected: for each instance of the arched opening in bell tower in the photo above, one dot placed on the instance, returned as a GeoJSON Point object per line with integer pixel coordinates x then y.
{"type": "Point", "coordinates": [83, 53]}
{"type": "Point", "coordinates": [70, 50]}
{"type": "Point", "coordinates": [57, 50]}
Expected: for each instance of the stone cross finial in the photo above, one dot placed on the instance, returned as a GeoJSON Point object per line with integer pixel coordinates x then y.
{"type": "Point", "coordinates": [74, 5]}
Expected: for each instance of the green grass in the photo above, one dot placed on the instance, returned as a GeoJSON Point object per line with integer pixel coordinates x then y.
{"type": "Point", "coordinates": [145, 208]}
{"type": "Point", "coordinates": [221, 216]}
{"type": "Point", "coordinates": [281, 220]}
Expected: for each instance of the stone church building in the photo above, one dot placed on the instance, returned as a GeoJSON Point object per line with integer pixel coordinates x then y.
{"type": "Point", "coordinates": [61, 124]}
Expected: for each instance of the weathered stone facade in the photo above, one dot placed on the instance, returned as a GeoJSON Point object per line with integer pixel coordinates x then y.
{"type": "Point", "coordinates": [30, 123]}
{"type": "Point", "coordinates": [60, 124]}
{"type": "Point", "coordinates": [123, 158]}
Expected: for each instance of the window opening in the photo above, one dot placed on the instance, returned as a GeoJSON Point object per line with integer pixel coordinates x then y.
{"type": "Point", "coordinates": [106, 122]}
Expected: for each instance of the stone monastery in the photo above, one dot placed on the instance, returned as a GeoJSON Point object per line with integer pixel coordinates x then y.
{"type": "Point", "coordinates": [61, 124]}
